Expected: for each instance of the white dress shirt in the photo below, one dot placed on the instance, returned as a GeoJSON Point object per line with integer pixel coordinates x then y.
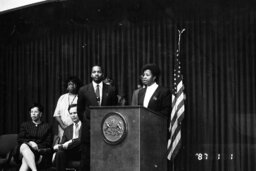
{"type": "Point", "coordinates": [149, 92]}
{"type": "Point", "coordinates": [100, 87]}
{"type": "Point", "coordinates": [76, 129]}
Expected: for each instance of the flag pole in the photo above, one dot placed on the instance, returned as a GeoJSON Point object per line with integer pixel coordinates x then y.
{"type": "Point", "coordinates": [177, 56]}
{"type": "Point", "coordinates": [178, 49]}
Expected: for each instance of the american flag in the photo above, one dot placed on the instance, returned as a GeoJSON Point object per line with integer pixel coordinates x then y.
{"type": "Point", "coordinates": [178, 109]}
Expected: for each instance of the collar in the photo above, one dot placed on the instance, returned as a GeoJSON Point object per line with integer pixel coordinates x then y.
{"type": "Point", "coordinates": [36, 124]}
{"type": "Point", "coordinates": [79, 123]}
{"type": "Point", "coordinates": [95, 84]}
{"type": "Point", "coordinates": [153, 86]}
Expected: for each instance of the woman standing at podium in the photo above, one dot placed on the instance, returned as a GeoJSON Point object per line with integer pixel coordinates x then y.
{"type": "Point", "coordinates": [154, 96]}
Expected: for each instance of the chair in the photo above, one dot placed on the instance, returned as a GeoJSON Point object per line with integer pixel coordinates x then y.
{"type": "Point", "coordinates": [8, 142]}
{"type": "Point", "coordinates": [73, 165]}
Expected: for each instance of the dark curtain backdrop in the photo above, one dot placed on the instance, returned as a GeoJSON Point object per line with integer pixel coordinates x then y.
{"type": "Point", "coordinates": [218, 62]}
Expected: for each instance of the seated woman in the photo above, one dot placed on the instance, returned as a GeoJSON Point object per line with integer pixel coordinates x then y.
{"type": "Point", "coordinates": [33, 138]}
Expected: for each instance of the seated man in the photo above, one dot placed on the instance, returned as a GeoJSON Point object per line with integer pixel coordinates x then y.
{"type": "Point", "coordinates": [69, 148]}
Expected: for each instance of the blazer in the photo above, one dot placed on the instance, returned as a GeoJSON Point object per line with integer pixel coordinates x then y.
{"type": "Point", "coordinates": [68, 135]}
{"type": "Point", "coordinates": [160, 101]}
{"type": "Point", "coordinates": [87, 98]}
{"type": "Point", "coordinates": [40, 134]}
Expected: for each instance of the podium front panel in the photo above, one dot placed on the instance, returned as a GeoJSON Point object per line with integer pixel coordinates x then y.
{"type": "Point", "coordinates": [141, 148]}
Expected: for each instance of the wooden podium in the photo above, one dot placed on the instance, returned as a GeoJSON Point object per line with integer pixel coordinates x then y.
{"type": "Point", "coordinates": [128, 138]}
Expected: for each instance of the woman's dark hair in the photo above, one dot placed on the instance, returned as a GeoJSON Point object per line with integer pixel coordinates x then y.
{"type": "Point", "coordinates": [38, 105]}
{"type": "Point", "coordinates": [74, 80]}
{"type": "Point", "coordinates": [154, 70]}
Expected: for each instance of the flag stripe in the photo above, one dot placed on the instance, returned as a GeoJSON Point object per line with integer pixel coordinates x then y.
{"type": "Point", "coordinates": [177, 110]}
{"type": "Point", "coordinates": [174, 145]}
{"type": "Point", "coordinates": [175, 122]}
{"type": "Point", "coordinates": [178, 105]}
{"type": "Point", "coordinates": [180, 86]}
{"type": "Point", "coordinates": [175, 132]}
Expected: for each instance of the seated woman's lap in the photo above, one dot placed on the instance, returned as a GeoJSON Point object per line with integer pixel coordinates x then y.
{"type": "Point", "coordinates": [35, 152]}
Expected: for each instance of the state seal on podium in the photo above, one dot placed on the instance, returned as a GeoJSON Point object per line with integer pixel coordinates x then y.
{"type": "Point", "coordinates": [114, 128]}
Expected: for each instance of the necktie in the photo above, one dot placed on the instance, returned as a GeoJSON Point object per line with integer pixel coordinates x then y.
{"type": "Point", "coordinates": [98, 93]}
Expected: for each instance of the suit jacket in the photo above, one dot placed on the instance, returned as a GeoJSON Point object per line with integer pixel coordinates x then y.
{"type": "Point", "coordinates": [68, 135]}
{"type": "Point", "coordinates": [87, 97]}
{"type": "Point", "coordinates": [160, 101]}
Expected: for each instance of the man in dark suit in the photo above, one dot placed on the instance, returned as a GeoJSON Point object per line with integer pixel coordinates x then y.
{"type": "Point", "coordinates": [153, 96]}
{"type": "Point", "coordinates": [96, 93]}
{"type": "Point", "coordinates": [70, 146]}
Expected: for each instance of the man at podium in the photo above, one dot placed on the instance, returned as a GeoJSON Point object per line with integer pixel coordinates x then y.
{"type": "Point", "coordinates": [153, 96]}
{"type": "Point", "coordinates": [96, 93]}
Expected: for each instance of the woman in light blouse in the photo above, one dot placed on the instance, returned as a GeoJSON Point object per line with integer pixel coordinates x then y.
{"type": "Point", "coordinates": [61, 113]}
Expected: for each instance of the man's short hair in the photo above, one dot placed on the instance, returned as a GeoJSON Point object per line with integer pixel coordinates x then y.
{"type": "Point", "coordinates": [154, 70]}
{"type": "Point", "coordinates": [98, 66]}
{"type": "Point", "coordinates": [70, 106]}
{"type": "Point", "coordinates": [38, 105]}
